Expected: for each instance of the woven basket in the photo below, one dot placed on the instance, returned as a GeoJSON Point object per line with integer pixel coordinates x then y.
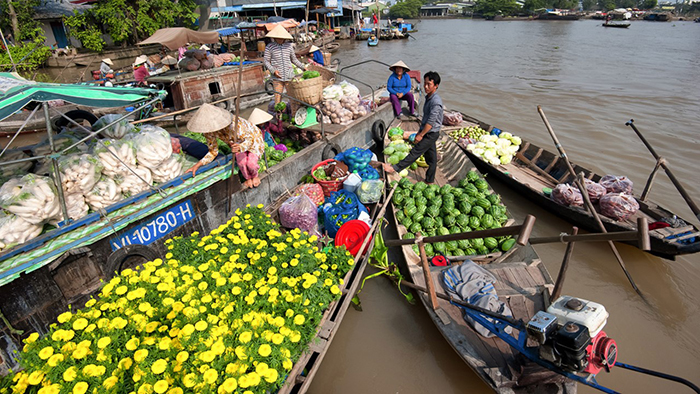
{"type": "Point", "coordinates": [327, 75]}
{"type": "Point", "coordinates": [309, 90]}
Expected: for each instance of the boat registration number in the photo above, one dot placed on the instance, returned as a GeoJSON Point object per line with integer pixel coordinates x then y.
{"type": "Point", "coordinates": [156, 228]}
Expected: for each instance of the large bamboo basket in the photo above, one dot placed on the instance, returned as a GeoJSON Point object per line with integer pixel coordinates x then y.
{"type": "Point", "coordinates": [309, 90]}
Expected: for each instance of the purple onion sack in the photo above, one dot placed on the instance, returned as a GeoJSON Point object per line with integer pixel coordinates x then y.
{"type": "Point", "coordinates": [618, 206]}
{"type": "Point", "coordinates": [616, 184]}
{"type": "Point", "coordinates": [564, 194]}
{"type": "Point", "coordinates": [595, 190]}
{"type": "Point", "coordinates": [299, 212]}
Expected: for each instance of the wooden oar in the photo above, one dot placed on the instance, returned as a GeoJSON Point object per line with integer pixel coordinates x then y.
{"type": "Point", "coordinates": [584, 193]}
{"type": "Point", "coordinates": [229, 191]}
{"type": "Point", "coordinates": [662, 163]}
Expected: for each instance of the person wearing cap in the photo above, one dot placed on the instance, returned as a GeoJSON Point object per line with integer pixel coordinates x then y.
{"type": "Point", "coordinates": [399, 87]}
{"type": "Point", "coordinates": [140, 70]}
{"type": "Point", "coordinates": [266, 124]}
{"type": "Point", "coordinates": [279, 57]}
{"type": "Point", "coordinates": [246, 143]}
{"type": "Point", "coordinates": [105, 67]}
{"type": "Point", "coordinates": [428, 133]}
{"type": "Point", "coordinates": [317, 54]}
{"type": "Point", "coordinates": [169, 61]}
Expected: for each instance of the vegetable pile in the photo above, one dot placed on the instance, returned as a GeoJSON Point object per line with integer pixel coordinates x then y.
{"type": "Point", "coordinates": [433, 210]}
{"type": "Point", "coordinates": [496, 149]}
{"type": "Point", "coordinates": [342, 103]}
{"type": "Point", "coordinates": [612, 196]}
{"type": "Point", "coordinates": [310, 74]}
{"type": "Point", "coordinates": [472, 132]}
{"type": "Point", "coordinates": [228, 312]}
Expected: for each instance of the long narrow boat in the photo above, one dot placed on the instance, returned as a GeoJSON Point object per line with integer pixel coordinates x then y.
{"type": "Point", "coordinates": [542, 169]}
{"type": "Point", "coordinates": [523, 283]}
{"type": "Point", "coordinates": [66, 265]}
{"type": "Point", "coordinates": [618, 25]}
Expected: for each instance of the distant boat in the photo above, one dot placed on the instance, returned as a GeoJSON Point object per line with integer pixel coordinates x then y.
{"type": "Point", "coordinates": [558, 15]}
{"type": "Point", "coordinates": [620, 25]}
{"type": "Point", "coordinates": [373, 41]}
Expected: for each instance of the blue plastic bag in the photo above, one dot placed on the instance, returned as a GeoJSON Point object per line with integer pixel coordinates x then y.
{"type": "Point", "coordinates": [341, 207]}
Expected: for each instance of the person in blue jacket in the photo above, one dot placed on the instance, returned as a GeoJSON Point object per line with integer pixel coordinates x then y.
{"type": "Point", "coordinates": [399, 87]}
{"type": "Point", "coordinates": [317, 54]}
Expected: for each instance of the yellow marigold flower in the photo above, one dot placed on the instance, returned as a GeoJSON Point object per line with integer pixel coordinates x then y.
{"type": "Point", "coordinates": [327, 282]}
{"type": "Point", "coordinates": [187, 330]}
{"type": "Point", "coordinates": [55, 360]}
{"type": "Point", "coordinates": [52, 389]}
{"type": "Point", "coordinates": [119, 323]}
{"type": "Point", "coordinates": [264, 350]}
{"type": "Point", "coordinates": [46, 352]}
{"type": "Point", "coordinates": [245, 336]}
{"type": "Point", "coordinates": [228, 386]}
{"type": "Point", "coordinates": [80, 353]}
{"type": "Point", "coordinates": [150, 327]}
{"type": "Point", "coordinates": [164, 343]}
{"type": "Point", "coordinates": [287, 364]}
{"type": "Point", "coordinates": [35, 378]}
{"type": "Point", "coordinates": [207, 356]}
{"type": "Point", "coordinates": [240, 353]}
{"type": "Point", "coordinates": [299, 319]}
{"type": "Point", "coordinates": [295, 337]}
{"type": "Point", "coordinates": [140, 355]}
{"type": "Point", "coordinates": [104, 342]}
{"type": "Point", "coordinates": [160, 387]}
{"type": "Point", "coordinates": [277, 339]}
{"type": "Point", "coordinates": [90, 303]}
{"type": "Point", "coordinates": [335, 289]}
{"type": "Point", "coordinates": [69, 374]}
{"type": "Point", "coordinates": [80, 388]}
{"type": "Point", "coordinates": [121, 290]}
{"type": "Point", "coordinates": [32, 338]}
{"type": "Point", "coordinates": [64, 317]}
{"type": "Point", "coordinates": [80, 324]}
{"type": "Point", "coordinates": [271, 375]}
{"type": "Point", "coordinates": [68, 347]}
{"type": "Point", "coordinates": [159, 366]}
{"type": "Point", "coordinates": [294, 262]}
{"type": "Point", "coordinates": [125, 363]}
{"type": "Point", "coordinates": [210, 376]}
{"type": "Point", "coordinates": [110, 382]}
{"type": "Point", "coordinates": [201, 325]}
{"type": "Point", "coordinates": [132, 344]}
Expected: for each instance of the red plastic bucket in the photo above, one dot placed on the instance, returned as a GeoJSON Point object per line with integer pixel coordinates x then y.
{"type": "Point", "coordinates": [352, 234]}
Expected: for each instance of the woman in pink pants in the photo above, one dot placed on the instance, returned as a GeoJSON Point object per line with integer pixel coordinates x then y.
{"type": "Point", "coordinates": [246, 143]}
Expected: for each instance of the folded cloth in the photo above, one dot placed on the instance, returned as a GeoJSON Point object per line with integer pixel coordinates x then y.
{"type": "Point", "coordinates": [472, 284]}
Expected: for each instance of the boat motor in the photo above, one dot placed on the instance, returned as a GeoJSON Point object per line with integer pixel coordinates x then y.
{"type": "Point", "coordinates": [570, 334]}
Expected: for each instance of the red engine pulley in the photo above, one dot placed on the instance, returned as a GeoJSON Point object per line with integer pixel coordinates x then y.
{"type": "Point", "coordinates": [602, 354]}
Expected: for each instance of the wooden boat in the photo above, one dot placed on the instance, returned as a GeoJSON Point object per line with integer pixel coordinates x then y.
{"type": "Point", "coordinates": [373, 41]}
{"type": "Point", "coordinates": [66, 266]}
{"type": "Point", "coordinates": [618, 25]}
{"type": "Point", "coordinates": [547, 170]}
{"type": "Point", "coordinates": [523, 283]}
{"type": "Point", "coordinates": [331, 47]}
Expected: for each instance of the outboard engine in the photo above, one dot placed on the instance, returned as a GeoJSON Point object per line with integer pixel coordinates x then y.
{"type": "Point", "coordinates": [571, 336]}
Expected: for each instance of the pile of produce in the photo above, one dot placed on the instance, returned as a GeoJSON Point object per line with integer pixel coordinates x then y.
{"type": "Point", "coordinates": [496, 149]}
{"type": "Point", "coordinates": [228, 312]}
{"type": "Point", "coordinates": [224, 149]}
{"type": "Point", "coordinates": [612, 196]}
{"type": "Point", "coordinates": [471, 134]}
{"type": "Point", "coordinates": [433, 210]}
{"type": "Point", "coordinates": [342, 103]}
{"type": "Point", "coordinates": [308, 74]}
{"type": "Point", "coordinates": [355, 158]}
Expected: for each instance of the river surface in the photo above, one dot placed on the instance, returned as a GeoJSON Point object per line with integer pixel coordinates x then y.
{"type": "Point", "coordinates": [590, 80]}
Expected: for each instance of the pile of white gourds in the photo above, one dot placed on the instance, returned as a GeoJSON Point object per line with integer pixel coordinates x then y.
{"type": "Point", "coordinates": [127, 163]}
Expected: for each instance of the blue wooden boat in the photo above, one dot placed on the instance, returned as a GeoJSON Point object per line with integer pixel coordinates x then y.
{"type": "Point", "coordinates": [373, 41]}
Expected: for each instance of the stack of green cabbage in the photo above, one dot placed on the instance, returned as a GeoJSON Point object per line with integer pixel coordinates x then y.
{"type": "Point", "coordinates": [496, 149]}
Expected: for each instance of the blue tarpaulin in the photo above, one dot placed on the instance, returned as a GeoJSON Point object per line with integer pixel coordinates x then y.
{"type": "Point", "coordinates": [227, 31]}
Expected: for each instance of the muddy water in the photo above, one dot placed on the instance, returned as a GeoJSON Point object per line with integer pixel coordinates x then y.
{"type": "Point", "coordinates": [590, 81]}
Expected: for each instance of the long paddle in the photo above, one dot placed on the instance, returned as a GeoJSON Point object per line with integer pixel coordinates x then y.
{"type": "Point", "coordinates": [581, 186]}
{"type": "Point", "coordinates": [674, 180]}
{"type": "Point", "coordinates": [235, 125]}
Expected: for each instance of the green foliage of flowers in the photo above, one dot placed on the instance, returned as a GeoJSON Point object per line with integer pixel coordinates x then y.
{"type": "Point", "coordinates": [228, 312]}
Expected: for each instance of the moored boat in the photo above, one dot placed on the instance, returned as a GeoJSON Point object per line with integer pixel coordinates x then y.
{"type": "Point", "coordinates": [621, 25]}
{"type": "Point", "coordinates": [373, 41]}
{"type": "Point", "coordinates": [536, 170]}
{"type": "Point", "coordinates": [523, 283]}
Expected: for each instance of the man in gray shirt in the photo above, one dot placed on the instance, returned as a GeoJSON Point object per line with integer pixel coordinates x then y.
{"type": "Point", "coordinates": [429, 131]}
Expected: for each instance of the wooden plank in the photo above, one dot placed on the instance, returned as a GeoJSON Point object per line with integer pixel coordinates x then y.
{"type": "Point", "coordinates": [536, 156]}
{"type": "Point", "coordinates": [552, 163]}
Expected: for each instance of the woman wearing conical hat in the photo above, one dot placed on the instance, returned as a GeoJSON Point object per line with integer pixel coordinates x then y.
{"type": "Point", "coordinates": [106, 66]}
{"type": "Point", "coordinates": [279, 57]}
{"type": "Point", "coordinates": [399, 87]}
{"type": "Point", "coordinates": [246, 144]}
{"type": "Point", "coordinates": [317, 55]}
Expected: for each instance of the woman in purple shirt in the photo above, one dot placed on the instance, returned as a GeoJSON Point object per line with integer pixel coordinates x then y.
{"type": "Point", "coordinates": [399, 87]}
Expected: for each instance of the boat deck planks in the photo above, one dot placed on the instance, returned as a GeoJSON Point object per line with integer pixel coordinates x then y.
{"type": "Point", "coordinates": [523, 283]}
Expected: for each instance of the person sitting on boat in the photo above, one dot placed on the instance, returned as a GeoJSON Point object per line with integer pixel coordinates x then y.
{"type": "Point", "coordinates": [140, 70]}
{"type": "Point", "coordinates": [429, 131]}
{"type": "Point", "coordinates": [190, 147]}
{"type": "Point", "coordinates": [267, 124]}
{"type": "Point", "coordinates": [105, 67]}
{"type": "Point", "coordinates": [246, 143]}
{"type": "Point", "coordinates": [399, 87]}
{"type": "Point", "coordinates": [279, 57]}
{"type": "Point", "coordinates": [317, 55]}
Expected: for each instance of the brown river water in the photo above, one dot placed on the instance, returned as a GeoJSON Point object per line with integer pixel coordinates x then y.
{"type": "Point", "coordinates": [590, 80]}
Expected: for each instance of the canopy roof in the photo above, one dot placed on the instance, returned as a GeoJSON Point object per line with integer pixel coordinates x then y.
{"type": "Point", "coordinates": [176, 37]}
{"type": "Point", "coordinates": [16, 92]}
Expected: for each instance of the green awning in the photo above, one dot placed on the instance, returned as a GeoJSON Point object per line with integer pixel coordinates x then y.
{"type": "Point", "coordinates": [16, 92]}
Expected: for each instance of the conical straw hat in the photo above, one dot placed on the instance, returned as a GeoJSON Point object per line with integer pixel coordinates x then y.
{"type": "Point", "coordinates": [313, 48]}
{"type": "Point", "coordinates": [259, 117]}
{"type": "Point", "coordinates": [279, 32]}
{"type": "Point", "coordinates": [208, 119]}
{"type": "Point", "coordinates": [169, 60]}
{"type": "Point", "coordinates": [108, 61]}
{"type": "Point", "coordinates": [400, 64]}
{"type": "Point", "coordinates": [140, 60]}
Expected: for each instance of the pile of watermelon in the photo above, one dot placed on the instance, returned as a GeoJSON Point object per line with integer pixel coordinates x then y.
{"type": "Point", "coordinates": [433, 210]}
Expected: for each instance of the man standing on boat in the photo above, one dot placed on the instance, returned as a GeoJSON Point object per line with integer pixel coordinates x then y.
{"type": "Point", "coordinates": [429, 131]}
